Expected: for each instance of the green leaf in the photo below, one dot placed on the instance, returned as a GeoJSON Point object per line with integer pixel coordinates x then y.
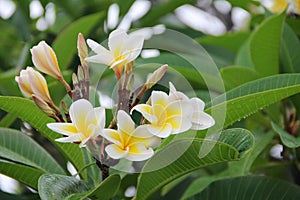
{"type": "Point", "coordinates": [290, 47]}
{"type": "Point", "coordinates": [187, 155]}
{"type": "Point", "coordinates": [251, 187]}
{"type": "Point", "coordinates": [4, 195]}
{"type": "Point", "coordinates": [230, 41]}
{"type": "Point", "coordinates": [286, 138]}
{"type": "Point", "coordinates": [54, 186]}
{"type": "Point", "coordinates": [18, 147]}
{"type": "Point", "coordinates": [65, 45]}
{"type": "Point", "coordinates": [234, 76]}
{"type": "Point", "coordinates": [235, 168]}
{"type": "Point", "coordinates": [25, 174]}
{"type": "Point", "coordinates": [248, 98]}
{"type": "Point", "coordinates": [264, 45]}
{"type": "Point", "coordinates": [7, 120]}
{"type": "Point", "coordinates": [104, 191]}
{"type": "Point", "coordinates": [26, 110]}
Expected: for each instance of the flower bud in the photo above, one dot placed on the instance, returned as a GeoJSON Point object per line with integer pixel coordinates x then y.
{"type": "Point", "coordinates": [43, 105]}
{"type": "Point", "coordinates": [156, 76]}
{"type": "Point", "coordinates": [44, 59]}
{"type": "Point", "coordinates": [32, 82]}
{"type": "Point", "coordinates": [80, 74]}
{"type": "Point", "coordinates": [82, 50]}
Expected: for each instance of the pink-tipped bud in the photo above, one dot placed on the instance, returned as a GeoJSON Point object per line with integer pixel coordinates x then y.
{"type": "Point", "coordinates": [156, 76]}
{"type": "Point", "coordinates": [44, 59]}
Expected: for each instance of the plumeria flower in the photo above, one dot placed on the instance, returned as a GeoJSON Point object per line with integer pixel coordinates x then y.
{"type": "Point", "coordinates": [166, 116]}
{"type": "Point", "coordinates": [200, 120]}
{"type": "Point", "coordinates": [123, 49]}
{"type": "Point", "coordinates": [32, 82]}
{"type": "Point", "coordinates": [44, 59]}
{"type": "Point", "coordinates": [134, 144]}
{"type": "Point", "coordinates": [87, 123]}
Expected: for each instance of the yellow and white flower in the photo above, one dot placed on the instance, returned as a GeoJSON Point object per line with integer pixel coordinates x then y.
{"type": "Point", "coordinates": [44, 59]}
{"type": "Point", "coordinates": [123, 49]}
{"type": "Point", "coordinates": [87, 123]}
{"type": "Point", "coordinates": [200, 120]}
{"type": "Point", "coordinates": [166, 116]}
{"type": "Point", "coordinates": [32, 82]}
{"type": "Point", "coordinates": [134, 144]}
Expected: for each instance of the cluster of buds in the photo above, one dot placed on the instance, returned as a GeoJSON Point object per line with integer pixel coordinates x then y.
{"type": "Point", "coordinates": [162, 115]}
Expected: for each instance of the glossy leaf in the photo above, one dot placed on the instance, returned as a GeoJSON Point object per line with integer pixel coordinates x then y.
{"type": "Point", "coordinates": [235, 168]}
{"type": "Point", "coordinates": [61, 186]}
{"type": "Point", "coordinates": [247, 99]}
{"type": "Point", "coordinates": [251, 187]}
{"type": "Point", "coordinates": [25, 174]}
{"type": "Point", "coordinates": [264, 45]}
{"type": "Point", "coordinates": [65, 44]}
{"type": "Point", "coordinates": [173, 162]}
{"type": "Point", "coordinates": [18, 147]}
{"type": "Point", "coordinates": [286, 138]}
{"type": "Point", "coordinates": [234, 76]}
{"type": "Point", "coordinates": [104, 191]}
{"type": "Point", "coordinates": [26, 110]}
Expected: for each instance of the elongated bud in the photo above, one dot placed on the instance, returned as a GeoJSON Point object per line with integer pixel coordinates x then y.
{"type": "Point", "coordinates": [74, 79]}
{"type": "Point", "coordinates": [80, 74]}
{"type": "Point", "coordinates": [156, 76]}
{"type": "Point", "coordinates": [82, 50]}
{"type": "Point", "coordinates": [32, 82]}
{"type": "Point", "coordinates": [130, 83]}
{"type": "Point", "coordinates": [129, 66]}
{"type": "Point", "coordinates": [43, 105]}
{"type": "Point", "coordinates": [44, 59]}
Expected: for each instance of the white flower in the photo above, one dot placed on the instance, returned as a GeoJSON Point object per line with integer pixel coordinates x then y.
{"type": "Point", "coordinates": [200, 120]}
{"type": "Point", "coordinates": [87, 123]}
{"type": "Point", "coordinates": [123, 48]}
{"type": "Point", "coordinates": [165, 116]}
{"type": "Point", "coordinates": [128, 142]}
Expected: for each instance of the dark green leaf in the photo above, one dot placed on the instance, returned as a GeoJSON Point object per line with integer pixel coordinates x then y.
{"type": "Point", "coordinates": [286, 138]}
{"type": "Point", "coordinates": [18, 147]}
{"type": "Point", "coordinates": [252, 187]}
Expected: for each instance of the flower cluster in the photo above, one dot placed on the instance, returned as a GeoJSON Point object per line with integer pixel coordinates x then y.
{"type": "Point", "coordinates": [163, 114]}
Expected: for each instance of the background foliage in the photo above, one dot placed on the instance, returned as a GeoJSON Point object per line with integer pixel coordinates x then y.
{"type": "Point", "coordinates": [258, 60]}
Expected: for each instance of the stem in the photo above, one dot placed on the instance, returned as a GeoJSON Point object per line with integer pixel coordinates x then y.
{"type": "Point", "coordinates": [87, 81]}
{"type": "Point", "coordinates": [67, 86]}
{"type": "Point", "coordinates": [139, 96]}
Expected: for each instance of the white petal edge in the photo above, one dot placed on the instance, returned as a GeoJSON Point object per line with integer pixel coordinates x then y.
{"type": "Point", "coordinates": [96, 47]}
{"type": "Point", "coordinates": [115, 152]}
{"type": "Point", "coordinates": [202, 120]}
{"type": "Point", "coordinates": [162, 131]}
{"type": "Point", "coordinates": [79, 110]}
{"type": "Point", "coordinates": [125, 122]}
{"type": "Point", "coordinates": [143, 154]}
{"type": "Point", "coordinates": [71, 138]}
{"type": "Point", "coordinates": [61, 128]}
{"type": "Point", "coordinates": [108, 133]}
{"type": "Point", "coordinates": [143, 109]}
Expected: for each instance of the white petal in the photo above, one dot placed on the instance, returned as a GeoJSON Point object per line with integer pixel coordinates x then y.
{"type": "Point", "coordinates": [79, 110]}
{"type": "Point", "coordinates": [160, 131]}
{"type": "Point", "coordinates": [96, 47]}
{"type": "Point", "coordinates": [116, 39]}
{"type": "Point", "coordinates": [125, 122]}
{"type": "Point", "coordinates": [138, 152]}
{"type": "Point", "coordinates": [171, 88]}
{"type": "Point", "coordinates": [145, 110]}
{"type": "Point", "coordinates": [63, 128]}
{"type": "Point", "coordinates": [197, 104]}
{"type": "Point", "coordinates": [117, 63]}
{"type": "Point", "coordinates": [112, 136]}
{"type": "Point", "coordinates": [158, 97]}
{"type": "Point", "coordinates": [115, 152]}
{"type": "Point", "coordinates": [105, 59]}
{"type": "Point", "coordinates": [181, 108]}
{"type": "Point", "coordinates": [133, 47]}
{"type": "Point", "coordinates": [71, 138]}
{"type": "Point", "coordinates": [179, 124]}
{"type": "Point", "coordinates": [201, 121]}
{"type": "Point", "coordinates": [100, 116]}
{"type": "Point", "coordinates": [175, 95]}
